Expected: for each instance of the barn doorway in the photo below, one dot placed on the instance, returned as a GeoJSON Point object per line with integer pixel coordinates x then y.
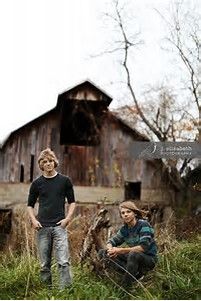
{"type": "Point", "coordinates": [80, 123]}
{"type": "Point", "coordinates": [132, 190]}
{"type": "Point", "coordinates": [21, 173]}
{"type": "Point", "coordinates": [31, 168]}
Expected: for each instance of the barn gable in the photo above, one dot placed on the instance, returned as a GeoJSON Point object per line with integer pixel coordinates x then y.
{"type": "Point", "coordinates": [82, 110]}
{"type": "Point", "coordinates": [87, 91]}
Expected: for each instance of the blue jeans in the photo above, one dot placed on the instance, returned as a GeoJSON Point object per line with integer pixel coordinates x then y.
{"type": "Point", "coordinates": [48, 237]}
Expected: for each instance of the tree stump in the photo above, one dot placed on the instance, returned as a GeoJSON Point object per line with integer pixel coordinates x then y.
{"type": "Point", "coordinates": [93, 241]}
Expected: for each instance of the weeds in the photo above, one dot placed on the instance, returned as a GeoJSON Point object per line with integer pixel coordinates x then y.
{"type": "Point", "coordinates": [177, 276]}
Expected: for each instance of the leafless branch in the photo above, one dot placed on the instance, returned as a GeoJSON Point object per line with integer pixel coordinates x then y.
{"type": "Point", "coordinates": [127, 45]}
{"type": "Point", "coordinates": [187, 45]}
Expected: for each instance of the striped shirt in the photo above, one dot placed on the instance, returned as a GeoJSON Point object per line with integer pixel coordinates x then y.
{"type": "Point", "coordinates": [142, 234]}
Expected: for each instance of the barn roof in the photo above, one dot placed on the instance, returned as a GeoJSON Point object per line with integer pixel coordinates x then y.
{"type": "Point", "coordinates": [2, 144]}
{"type": "Point", "coordinates": [108, 100]}
{"type": "Point", "coordinates": [90, 82]}
{"type": "Point", "coordinates": [129, 127]}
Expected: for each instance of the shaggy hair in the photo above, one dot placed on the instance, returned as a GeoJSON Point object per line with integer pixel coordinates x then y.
{"type": "Point", "coordinates": [131, 206]}
{"type": "Point", "coordinates": [47, 154]}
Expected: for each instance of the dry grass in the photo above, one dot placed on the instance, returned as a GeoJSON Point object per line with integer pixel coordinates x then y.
{"type": "Point", "coordinates": [77, 230]}
{"type": "Point", "coordinates": [22, 236]}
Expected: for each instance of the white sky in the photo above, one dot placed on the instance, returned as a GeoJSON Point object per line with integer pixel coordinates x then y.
{"type": "Point", "coordinates": [46, 47]}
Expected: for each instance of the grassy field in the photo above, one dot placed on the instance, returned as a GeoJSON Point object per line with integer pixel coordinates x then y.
{"type": "Point", "coordinates": [177, 276]}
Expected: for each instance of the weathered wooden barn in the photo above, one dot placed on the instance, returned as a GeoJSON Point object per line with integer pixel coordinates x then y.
{"type": "Point", "coordinates": [93, 147]}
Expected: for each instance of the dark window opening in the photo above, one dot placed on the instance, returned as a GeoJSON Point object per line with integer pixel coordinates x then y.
{"type": "Point", "coordinates": [31, 168]}
{"type": "Point", "coordinates": [132, 190]}
{"type": "Point", "coordinates": [66, 150]}
{"type": "Point", "coordinates": [54, 134]}
{"type": "Point", "coordinates": [21, 173]}
{"type": "Point", "coordinates": [80, 123]}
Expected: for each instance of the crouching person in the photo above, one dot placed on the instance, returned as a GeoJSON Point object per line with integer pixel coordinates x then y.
{"type": "Point", "coordinates": [52, 189]}
{"type": "Point", "coordinates": [140, 253]}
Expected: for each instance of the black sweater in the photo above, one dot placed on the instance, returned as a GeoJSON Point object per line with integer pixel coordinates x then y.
{"type": "Point", "coordinates": [51, 194]}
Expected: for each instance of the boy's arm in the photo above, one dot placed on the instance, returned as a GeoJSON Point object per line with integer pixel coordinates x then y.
{"type": "Point", "coordinates": [71, 209]}
{"type": "Point", "coordinates": [64, 222]}
{"type": "Point", "coordinates": [118, 250]}
{"type": "Point", "coordinates": [71, 204]}
{"type": "Point", "coordinates": [145, 238]}
{"type": "Point", "coordinates": [33, 195]}
{"type": "Point", "coordinates": [36, 224]}
{"type": "Point", "coordinates": [115, 240]}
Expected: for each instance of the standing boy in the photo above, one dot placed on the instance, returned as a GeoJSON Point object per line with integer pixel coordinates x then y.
{"type": "Point", "coordinates": [139, 253]}
{"type": "Point", "coordinates": [51, 190]}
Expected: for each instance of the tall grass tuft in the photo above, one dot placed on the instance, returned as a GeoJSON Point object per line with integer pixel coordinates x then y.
{"type": "Point", "coordinates": [176, 276]}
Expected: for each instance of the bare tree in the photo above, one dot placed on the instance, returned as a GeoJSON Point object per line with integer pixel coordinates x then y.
{"type": "Point", "coordinates": [171, 118]}
{"type": "Point", "coordinates": [184, 38]}
{"type": "Point", "coordinates": [126, 44]}
{"type": "Point", "coordinates": [158, 115]}
{"type": "Point", "coordinates": [161, 123]}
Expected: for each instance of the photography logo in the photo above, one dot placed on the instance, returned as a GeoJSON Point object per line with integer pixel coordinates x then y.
{"type": "Point", "coordinates": [174, 150]}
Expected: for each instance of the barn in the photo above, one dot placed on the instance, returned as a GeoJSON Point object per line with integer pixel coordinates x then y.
{"type": "Point", "coordinates": [94, 148]}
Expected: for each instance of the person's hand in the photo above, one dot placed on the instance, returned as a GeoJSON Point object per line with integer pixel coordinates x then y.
{"type": "Point", "coordinates": [36, 224]}
{"type": "Point", "coordinates": [64, 222]}
{"type": "Point", "coordinates": [109, 247]}
{"type": "Point", "coordinates": [113, 252]}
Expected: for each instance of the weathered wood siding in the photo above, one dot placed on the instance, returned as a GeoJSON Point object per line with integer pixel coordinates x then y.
{"type": "Point", "coordinates": [27, 141]}
{"type": "Point", "coordinates": [107, 164]}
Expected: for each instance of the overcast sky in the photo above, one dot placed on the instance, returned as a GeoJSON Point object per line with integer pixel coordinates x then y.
{"type": "Point", "coordinates": [46, 47]}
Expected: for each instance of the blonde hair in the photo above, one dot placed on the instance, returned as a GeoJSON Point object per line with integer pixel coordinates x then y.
{"type": "Point", "coordinates": [47, 154]}
{"type": "Point", "coordinates": [131, 206]}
